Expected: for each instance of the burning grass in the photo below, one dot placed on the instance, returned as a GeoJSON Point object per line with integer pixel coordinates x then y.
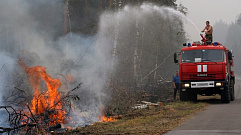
{"type": "Point", "coordinates": [157, 120]}
{"type": "Point", "coordinates": [107, 119]}
{"type": "Point", "coordinates": [46, 110]}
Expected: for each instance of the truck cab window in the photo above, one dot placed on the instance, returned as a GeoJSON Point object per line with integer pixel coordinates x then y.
{"type": "Point", "coordinates": [207, 55]}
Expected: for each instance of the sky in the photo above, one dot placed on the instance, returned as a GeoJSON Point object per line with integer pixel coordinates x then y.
{"type": "Point", "coordinates": [199, 11]}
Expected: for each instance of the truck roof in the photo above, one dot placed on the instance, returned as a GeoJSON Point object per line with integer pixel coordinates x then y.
{"type": "Point", "coordinates": [200, 47]}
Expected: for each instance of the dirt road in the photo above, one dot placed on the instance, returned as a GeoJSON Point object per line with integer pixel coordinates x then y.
{"type": "Point", "coordinates": [217, 119]}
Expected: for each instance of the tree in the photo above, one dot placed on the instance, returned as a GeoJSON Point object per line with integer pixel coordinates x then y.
{"type": "Point", "coordinates": [85, 14]}
{"type": "Point", "coordinates": [233, 41]}
{"type": "Point", "coordinates": [220, 31]}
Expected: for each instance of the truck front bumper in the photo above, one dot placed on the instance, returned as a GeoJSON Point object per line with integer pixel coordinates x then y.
{"type": "Point", "coordinates": [202, 87]}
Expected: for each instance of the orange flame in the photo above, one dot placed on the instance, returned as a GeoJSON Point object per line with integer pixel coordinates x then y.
{"type": "Point", "coordinates": [106, 119]}
{"type": "Point", "coordinates": [45, 100]}
{"type": "Point", "coordinates": [103, 118]}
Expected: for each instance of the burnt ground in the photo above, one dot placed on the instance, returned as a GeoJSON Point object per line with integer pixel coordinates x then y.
{"type": "Point", "coordinates": [152, 120]}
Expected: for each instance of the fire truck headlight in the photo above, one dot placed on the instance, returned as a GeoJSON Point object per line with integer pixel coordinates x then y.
{"type": "Point", "coordinates": [186, 85]}
{"type": "Point", "coordinates": [218, 84]}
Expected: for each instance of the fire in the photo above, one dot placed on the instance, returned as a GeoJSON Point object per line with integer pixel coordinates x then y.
{"type": "Point", "coordinates": [103, 118]}
{"type": "Point", "coordinates": [45, 100]}
{"type": "Point", "coordinates": [106, 119]}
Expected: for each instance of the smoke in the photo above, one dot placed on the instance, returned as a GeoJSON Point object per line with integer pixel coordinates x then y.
{"type": "Point", "coordinates": [145, 36]}
{"type": "Point", "coordinates": [33, 31]}
{"type": "Point", "coordinates": [229, 35]}
{"type": "Point", "coordinates": [6, 68]}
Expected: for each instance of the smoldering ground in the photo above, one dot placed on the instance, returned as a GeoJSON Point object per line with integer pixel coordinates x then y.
{"type": "Point", "coordinates": [33, 31]}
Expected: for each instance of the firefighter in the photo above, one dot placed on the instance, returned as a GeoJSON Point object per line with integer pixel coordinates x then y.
{"type": "Point", "coordinates": [175, 85]}
{"type": "Point", "coordinates": [208, 32]}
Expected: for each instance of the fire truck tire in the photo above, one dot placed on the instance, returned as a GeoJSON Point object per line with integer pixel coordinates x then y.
{"type": "Point", "coordinates": [225, 96]}
{"type": "Point", "coordinates": [232, 94]}
{"type": "Point", "coordinates": [192, 96]}
{"type": "Point", "coordinates": [183, 95]}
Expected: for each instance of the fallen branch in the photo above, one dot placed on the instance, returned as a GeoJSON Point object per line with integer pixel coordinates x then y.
{"type": "Point", "coordinates": [15, 118]}
{"type": "Point", "coordinates": [31, 114]}
{"type": "Point", "coordinates": [9, 114]}
{"type": "Point", "coordinates": [4, 130]}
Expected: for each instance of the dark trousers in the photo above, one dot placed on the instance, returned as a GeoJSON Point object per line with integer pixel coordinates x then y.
{"type": "Point", "coordinates": [209, 37]}
{"type": "Point", "coordinates": [176, 90]}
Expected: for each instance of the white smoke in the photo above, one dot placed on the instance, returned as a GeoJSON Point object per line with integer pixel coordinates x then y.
{"type": "Point", "coordinates": [6, 68]}
{"type": "Point", "coordinates": [32, 30]}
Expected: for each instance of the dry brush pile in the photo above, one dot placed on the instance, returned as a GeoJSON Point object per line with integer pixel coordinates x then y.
{"type": "Point", "coordinates": [40, 107]}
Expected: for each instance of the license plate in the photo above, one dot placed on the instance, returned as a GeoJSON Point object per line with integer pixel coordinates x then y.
{"type": "Point", "coordinates": [202, 84]}
{"type": "Point", "coordinates": [202, 75]}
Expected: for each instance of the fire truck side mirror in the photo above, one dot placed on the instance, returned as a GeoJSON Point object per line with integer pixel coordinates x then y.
{"type": "Point", "coordinates": [230, 55]}
{"type": "Point", "coordinates": [175, 58]}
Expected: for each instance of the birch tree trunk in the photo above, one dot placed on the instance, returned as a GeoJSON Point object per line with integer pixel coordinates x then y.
{"type": "Point", "coordinates": [136, 53]}
{"type": "Point", "coordinates": [115, 43]}
{"type": "Point", "coordinates": [141, 54]}
{"type": "Point", "coordinates": [155, 73]}
{"type": "Point", "coordinates": [67, 23]}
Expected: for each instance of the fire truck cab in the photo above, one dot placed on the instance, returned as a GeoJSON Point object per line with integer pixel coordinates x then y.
{"type": "Point", "coordinates": [206, 69]}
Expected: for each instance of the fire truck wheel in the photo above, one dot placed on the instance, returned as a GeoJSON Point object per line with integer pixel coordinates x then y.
{"type": "Point", "coordinates": [183, 95]}
{"type": "Point", "coordinates": [232, 94]}
{"type": "Point", "coordinates": [225, 96]}
{"type": "Point", "coordinates": [192, 96]}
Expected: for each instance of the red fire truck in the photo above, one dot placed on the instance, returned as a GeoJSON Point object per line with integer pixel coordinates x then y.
{"type": "Point", "coordinates": [206, 69]}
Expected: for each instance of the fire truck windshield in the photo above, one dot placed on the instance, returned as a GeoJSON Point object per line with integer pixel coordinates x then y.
{"type": "Point", "coordinates": [208, 55]}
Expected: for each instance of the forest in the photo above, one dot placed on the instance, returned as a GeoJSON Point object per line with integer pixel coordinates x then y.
{"type": "Point", "coordinates": [72, 61]}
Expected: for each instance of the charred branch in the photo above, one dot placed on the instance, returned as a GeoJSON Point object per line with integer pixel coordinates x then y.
{"type": "Point", "coordinates": [18, 119]}
{"type": "Point", "coordinates": [31, 114]}
{"type": "Point", "coordinates": [4, 130]}
{"type": "Point", "coordinates": [16, 97]}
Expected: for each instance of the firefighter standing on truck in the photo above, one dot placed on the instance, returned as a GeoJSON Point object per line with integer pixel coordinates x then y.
{"type": "Point", "coordinates": [209, 31]}
{"type": "Point", "coordinates": [175, 85]}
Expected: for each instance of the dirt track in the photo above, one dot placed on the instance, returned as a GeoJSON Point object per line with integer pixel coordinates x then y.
{"type": "Point", "coordinates": [218, 118]}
